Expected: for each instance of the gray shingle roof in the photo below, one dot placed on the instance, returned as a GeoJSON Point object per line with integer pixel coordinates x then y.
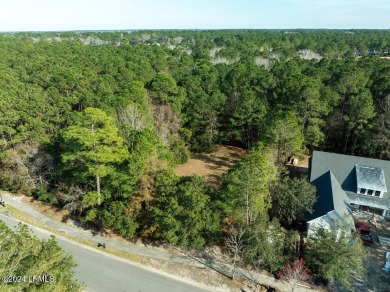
{"type": "Point", "coordinates": [330, 196]}
{"type": "Point", "coordinates": [335, 174]}
{"type": "Point", "coordinates": [340, 198]}
{"type": "Point", "coordinates": [343, 168]}
{"type": "Point", "coordinates": [324, 202]}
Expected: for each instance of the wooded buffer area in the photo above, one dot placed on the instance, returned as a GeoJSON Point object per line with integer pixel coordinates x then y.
{"type": "Point", "coordinates": [96, 122]}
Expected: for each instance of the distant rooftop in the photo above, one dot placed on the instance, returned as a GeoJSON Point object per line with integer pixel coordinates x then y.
{"type": "Point", "coordinates": [370, 178]}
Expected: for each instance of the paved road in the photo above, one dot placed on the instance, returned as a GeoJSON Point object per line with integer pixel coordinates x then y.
{"type": "Point", "coordinates": [149, 251]}
{"type": "Point", "coordinates": [104, 272]}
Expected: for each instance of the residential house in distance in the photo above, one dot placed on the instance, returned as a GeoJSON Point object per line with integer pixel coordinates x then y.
{"type": "Point", "coordinates": [345, 183]}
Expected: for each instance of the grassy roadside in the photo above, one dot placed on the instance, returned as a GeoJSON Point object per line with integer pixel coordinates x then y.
{"type": "Point", "coordinates": [210, 278]}
{"type": "Point", "coordinates": [17, 214]}
{"type": "Point", "coordinates": [203, 276]}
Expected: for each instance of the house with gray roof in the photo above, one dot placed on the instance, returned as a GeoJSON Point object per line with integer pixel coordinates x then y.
{"type": "Point", "coordinates": [345, 183]}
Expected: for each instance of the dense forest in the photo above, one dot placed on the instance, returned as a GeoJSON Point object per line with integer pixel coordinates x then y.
{"type": "Point", "coordinates": [96, 122]}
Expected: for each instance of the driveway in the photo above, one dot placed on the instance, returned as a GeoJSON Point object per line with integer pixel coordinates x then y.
{"type": "Point", "coordinates": [376, 279]}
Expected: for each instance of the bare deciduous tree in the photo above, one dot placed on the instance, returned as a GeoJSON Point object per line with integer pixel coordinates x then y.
{"type": "Point", "coordinates": [166, 122]}
{"type": "Point", "coordinates": [234, 243]}
{"type": "Point", "coordinates": [295, 273]}
{"type": "Point", "coordinates": [212, 129]}
{"type": "Point", "coordinates": [131, 116]}
{"type": "Point", "coordinates": [25, 167]}
{"type": "Point", "coordinates": [131, 120]}
{"type": "Point", "coordinates": [71, 197]}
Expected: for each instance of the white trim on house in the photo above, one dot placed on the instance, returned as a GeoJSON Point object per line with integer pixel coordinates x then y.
{"type": "Point", "coordinates": [326, 222]}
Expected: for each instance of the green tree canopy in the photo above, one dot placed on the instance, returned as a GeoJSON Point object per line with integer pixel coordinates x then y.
{"type": "Point", "coordinates": [291, 198]}
{"type": "Point", "coordinates": [269, 245]}
{"type": "Point", "coordinates": [286, 136]}
{"type": "Point", "coordinates": [24, 254]}
{"type": "Point", "coordinates": [91, 148]}
{"type": "Point", "coordinates": [336, 254]}
{"type": "Point", "coordinates": [183, 213]}
{"type": "Point", "coordinates": [245, 195]}
{"type": "Point", "coordinates": [164, 89]}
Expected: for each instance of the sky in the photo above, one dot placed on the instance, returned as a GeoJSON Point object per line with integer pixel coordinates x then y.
{"type": "Point", "coordinates": [65, 15]}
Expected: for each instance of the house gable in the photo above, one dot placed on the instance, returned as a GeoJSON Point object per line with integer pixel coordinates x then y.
{"type": "Point", "coordinates": [339, 180]}
{"type": "Point", "coordinates": [331, 206]}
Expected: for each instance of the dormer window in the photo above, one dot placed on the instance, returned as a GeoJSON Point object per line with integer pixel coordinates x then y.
{"type": "Point", "coordinates": [370, 181]}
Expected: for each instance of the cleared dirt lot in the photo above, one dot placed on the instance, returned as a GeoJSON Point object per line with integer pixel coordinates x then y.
{"type": "Point", "coordinates": [213, 165]}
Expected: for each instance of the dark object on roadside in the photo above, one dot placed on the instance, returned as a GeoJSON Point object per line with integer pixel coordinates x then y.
{"type": "Point", "coordinates": [277, 275]}
{"type": "Point", "coordinates": [103, 245]}
{"type": "Point", "coordinates": [2, 202]}
{"type": "Point", "coordinates": [364, 231]}
{"type": "Point", "coordinates": [320, 281]}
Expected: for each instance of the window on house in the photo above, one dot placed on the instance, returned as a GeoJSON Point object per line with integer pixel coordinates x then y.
{"type": "Point", "coordinates": [363, 191]}
{"type": "Point", "coordinates": [377, 193]}
{"type": "Point", "coordinates": [370, 192]}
